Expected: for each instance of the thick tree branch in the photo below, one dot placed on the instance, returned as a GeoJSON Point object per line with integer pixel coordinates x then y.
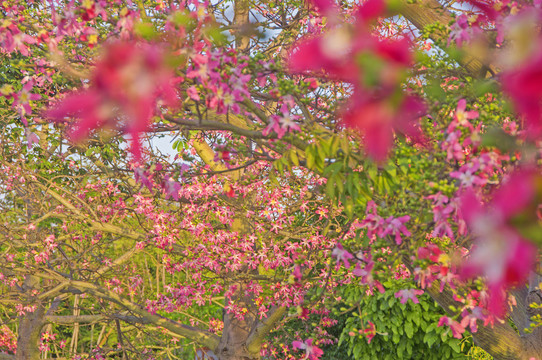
{"type": "Point", "coordinates": [202, 337]}
{"type": "Point", "coordinates": [256, 338]}
{"type": "Point", "coordinates": [500, 340]}
{"type": "Point", "coordinates": [422, 13]}
{"type": "Point", "coordinates": [217, 125]}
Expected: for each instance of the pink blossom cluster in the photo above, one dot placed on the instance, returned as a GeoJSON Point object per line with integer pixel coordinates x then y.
{"type": "Point", "coordinates": [501, 253]}
{"type": "Point", "coordinates": [8, 340]}
{"type": "Point", "coordinates": [11, 37]}
{"type": "Point", "coordinates": [390, 226]}
{"type": "Point", "coordinates": [340, 51]}
{"type": "Point", "coordinates": [446, 210]}
{"type": "Point", "coordinates": [46, 340]}
{"type": "Point", "coordinates": [126, 83]}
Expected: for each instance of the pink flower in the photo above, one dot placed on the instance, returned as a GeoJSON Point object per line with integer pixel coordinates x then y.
{"type": "Point", "coordinates": [31, 138]}
{"type": "Point", "coordinates": [342, 255]}
{"type": "Point", "coordinates": [21, 100]}
{"type": "Point", "coordinates": [396, 227]}
{"type": "Point", "coordinates": [372, 222]}
{"type": "Point", "coordinates": [500, 253]}
{"type": "Point", "coordinates": [171, 188]}
{"type": "Point", "coordinates": [375, 67]}
{"type": "Point", "coordinates": [298, 274]}
{"type": "Point", "coordinates": [460, 30]}
{"type": "Point", "coordinates": [370, 332]}
{"type": "Point", "coordinates": [329, 52]}
{"type": "Point", "coordinates": [192, 93]}
{"type": "Point", "coordinates": [452, 145]}
{"type": "Point", "coordinates": [523, 82]}
{"type": "Point", "coordinates": [367, 275]}
{"type": "Point", "coordinates": [325, 6]}
{"type": "Point", "coordinates": [312, 352]}
{"type": "Point", "coordinates": [282, 124]}
{"type": "Point", "coordinates": [471, 319]}
{"type": "Point", "coordinates": [377, 119]}
{"type": "Point", "coordinates": [339, 51]}
{"type": "Point", "coordinates": [462, 117]}
{"type": "Point", "coordinates": [457, 328]}
{"type": "Point", "coordinates": [142, 176]}
{"type": "Point", "coordinates": [524, 88]}
{"type": "Point", "coordinates": [125, 85]}
{"type": "Point", "coordinates": [467, 175]}
{"type": "Point", "coordinates": [411, 294]}
{"type": "Point", "coordinates": [443, 209]}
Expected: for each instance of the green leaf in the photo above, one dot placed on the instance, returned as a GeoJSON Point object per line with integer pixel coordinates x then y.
{"type": "Point", "coordinates": [430, 339]}
{"type": "Point", "coordinates": [454, 344]}
{"type": "Point", "coordinates": [409, 330]}
{"type": "Point", "coordinates": [145, 30]}
{"type": "Point", "coordinates": [294, 158]}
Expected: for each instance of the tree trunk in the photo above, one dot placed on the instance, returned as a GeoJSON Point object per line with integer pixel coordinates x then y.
{"type": "Point", "coordinates": [235, 335]}
{"type": "Point", "coordinates": [30, 325]}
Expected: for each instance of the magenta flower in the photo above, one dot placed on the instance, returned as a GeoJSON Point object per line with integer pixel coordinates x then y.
{"type": "Point", "coordinates": [460, 31]}
{"type": "Point", "coordinates": [142, 176]}
{"type": "Point", "coordinates": [192, 93]}
{"type": "Point", "coordinates": [348, 53]}
{"type": "Point", "coordinates": [282, 124]}
{"type": "Point", "coordinates": [500, 253]}
{"type": "Point", "coordinates": [462, 117]}
{"type": "Point", "coordinates": [342, 256]}
{"type": "Point", "coordinates": [457, 328]}
{"type": "Point", "coordinates": [378, 119]}
{"type": "Point", "coordinates": [325, 6]}
{"type": "Point", "coordinates": [524, 86]}
{"type": "Point", "coordinates": [312, 352]}
{"type": "Point", "coordinates": [21, 101]}
{"type": "Point", "coordinates": [370, 332]}
{"type": "Point", "coordinates": [31, 138]}
{"type": "Point", "coordinates": [453, 147]}
{"type": "Point", "coordinates": [171, 188]}
{"type": "Point", "coordinates": [366, 274]}
{"type": "Point", "coordinates": [372, 222]}
{"type": "Point", "coordinates": [125, 86]}
{"type": "Point", "coordinates": [298, 274]}
{"type": "Point", "coordinates": [396, 227]}
{"type": "Point", "coordinates": [407, 294]}
{"type": "Point", "coordinates": [467, 176]}
{"type": "Point", "coordinates": [337, 53]}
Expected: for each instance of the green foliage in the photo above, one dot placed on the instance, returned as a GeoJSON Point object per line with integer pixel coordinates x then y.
{"type": "Point", "coordinates": [403, 331]}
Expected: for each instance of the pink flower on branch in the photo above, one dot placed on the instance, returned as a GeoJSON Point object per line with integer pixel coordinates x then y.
{"type": "Point", "coordinates": [125, 86]}
{"type": "Point", "coordinates": [380, 227]}
{"type": "Point", "coordinates": [407, 294]}
{"type": "Point", "coordinates": [342, 256]}
{"type": "Point", "coordinates": [370, 332]}
{"type": "Point", "coordinates": [366, 274]}
{"type": "Point", "coordinates": [171, 188]}
{"type": "Point", "coordinates": [396, 227]}
{"type": "Point", "coordinates": [457, 328]}
{"type": "Point", "coordinates": [311, 352]}
{"type": "Point", "coordinates": [522, 76]}
{"type": "Point", "coordinates": [462, 117]}
{"type": "Point", "coordinates": [21, 101]}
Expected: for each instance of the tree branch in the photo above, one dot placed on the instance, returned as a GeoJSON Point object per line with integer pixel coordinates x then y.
{"type": "Point", "coordinates": [500, 340]}
{"type": "Point", "coordinates": [202, 337]}
{"type": "Point", "coordinates": [422, 13]}
{"type": "Point", "coordinates": [255, 339]}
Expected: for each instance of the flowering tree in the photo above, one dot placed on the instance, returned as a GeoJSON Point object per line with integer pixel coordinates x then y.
{"type": "Point", "coordinates": [323, 153]}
